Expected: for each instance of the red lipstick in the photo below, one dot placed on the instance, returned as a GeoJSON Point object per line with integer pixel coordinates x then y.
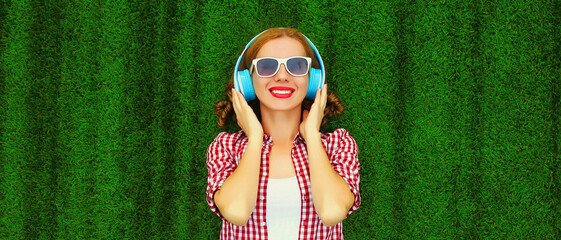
{"type": "Point", "coordinates": [281, 92]}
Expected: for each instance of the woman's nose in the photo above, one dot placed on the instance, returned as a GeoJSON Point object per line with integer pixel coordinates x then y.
{"type": "Point", "coordinates": [282, 74]}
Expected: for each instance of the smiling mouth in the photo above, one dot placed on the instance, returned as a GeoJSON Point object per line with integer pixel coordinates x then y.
{"type": "Point", "coordinates": [282, 91]}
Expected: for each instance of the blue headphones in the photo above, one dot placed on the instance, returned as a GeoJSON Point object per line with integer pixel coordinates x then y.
{"type": "Point", "coordinates": [243, 83]}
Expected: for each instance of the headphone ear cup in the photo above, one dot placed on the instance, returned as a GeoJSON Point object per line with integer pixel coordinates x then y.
{"type": "Point", "coordinates": [246, 85]}
{"type": "Point", "coordinates": [314, 83]}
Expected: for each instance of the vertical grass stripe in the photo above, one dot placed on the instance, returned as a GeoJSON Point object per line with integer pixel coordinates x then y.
{"type": "Point", "coordinates": [402, 118]}
{"type": "Point", "coordinates": [3, 103]}
{"type": "Point", "coordinates": [464, 116]}
{"type": "Point", "coordinates": [167, 112]}
{"type": "Point", "coordinates": [553, 60]}
{"type": "Point", "coordinates": [431, 139]}
{"type": "Point", "coordinates": [189, 51]}
{"type": "Point", "coordinates": [140, 97]}
{"type": "Point", "coordinates": [113, 61]}
{"type": "Point", "coordinates": [15, 151]}
{"type": "Point", "coordinates": [78, 102]}
{"type": "Point", "coordinates": [42, 167]}
{"type": "Point", "coordinates": [514, 150]}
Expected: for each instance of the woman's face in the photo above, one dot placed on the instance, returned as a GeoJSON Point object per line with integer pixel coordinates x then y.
{"type": "Point", "coordinates": [281, 91]}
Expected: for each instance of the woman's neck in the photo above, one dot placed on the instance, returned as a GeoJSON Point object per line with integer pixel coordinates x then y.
{"type": "Point", "coordinates": [282, 126]}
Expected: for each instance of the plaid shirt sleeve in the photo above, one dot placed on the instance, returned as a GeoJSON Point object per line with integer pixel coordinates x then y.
{"type": "Point", "coordinates": [220, 165]}
{"type": "Point", "coordinates": [343, 155]}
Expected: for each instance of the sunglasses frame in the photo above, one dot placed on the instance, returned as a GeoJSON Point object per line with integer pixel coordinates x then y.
{"type": "Point", "coordinates": [281, 61]}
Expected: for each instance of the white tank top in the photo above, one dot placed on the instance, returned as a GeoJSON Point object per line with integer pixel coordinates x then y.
{"type": "Point", "coordinates": [283, 208]}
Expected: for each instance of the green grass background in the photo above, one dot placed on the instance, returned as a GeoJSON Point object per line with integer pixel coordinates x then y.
{"type": "Point", "coordinates": [106, 113]}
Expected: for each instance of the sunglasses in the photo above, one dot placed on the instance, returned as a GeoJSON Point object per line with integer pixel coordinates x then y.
{"type": "Point", "coordinates": [269, 66]}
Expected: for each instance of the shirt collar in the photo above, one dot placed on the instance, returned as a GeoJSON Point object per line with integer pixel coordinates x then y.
{"type": "Point", "coordinates": [267, 138]}
{"type": "Point", "coordinates": [297, 139]}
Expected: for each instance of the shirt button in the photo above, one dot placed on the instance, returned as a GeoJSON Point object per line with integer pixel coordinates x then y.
{"type": "Point", "coordinates": [262, 198]}
{"type": "Point", "coordinates": [263, 224]}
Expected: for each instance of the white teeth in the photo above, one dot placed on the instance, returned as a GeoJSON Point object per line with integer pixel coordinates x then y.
{"type": "Point", "coordinates": [281, 91]}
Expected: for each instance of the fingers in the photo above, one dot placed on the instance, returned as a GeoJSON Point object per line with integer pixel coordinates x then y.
{"type": "Point", "coordinates": [318, 95]}
{"type": "Point", "coordinates": [235, 101]}
{"type": "Point", "coordinates": [321, 98]}
{"type": "Point", "coordinates": [238, 101]}
{"type": "Point", "coordinates": [246, 118]}
{"type": "Point", "coordinates": [324, 96]}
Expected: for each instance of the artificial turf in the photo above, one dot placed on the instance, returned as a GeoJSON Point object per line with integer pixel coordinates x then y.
{"type": "Point", "coordinates": [106, 111]}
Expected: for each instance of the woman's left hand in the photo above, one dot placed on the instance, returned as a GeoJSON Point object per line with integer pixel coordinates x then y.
{"type": "Point", "coordinates": [311, 120]}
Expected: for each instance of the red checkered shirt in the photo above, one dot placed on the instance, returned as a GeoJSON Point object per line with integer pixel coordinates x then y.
{"type": "Point", "coordinates": [225, 152]}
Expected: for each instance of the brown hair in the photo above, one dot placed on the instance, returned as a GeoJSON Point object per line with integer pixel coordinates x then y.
{"type": "Point", "coordinates": [224, 109]}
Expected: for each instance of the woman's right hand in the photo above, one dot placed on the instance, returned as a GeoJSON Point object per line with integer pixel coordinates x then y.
{"type": "Point", "coordinates": [246, 118]}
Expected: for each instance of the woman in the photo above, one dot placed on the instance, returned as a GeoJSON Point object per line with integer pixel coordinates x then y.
{"type": "Point", "coordinates": [279, 177]}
